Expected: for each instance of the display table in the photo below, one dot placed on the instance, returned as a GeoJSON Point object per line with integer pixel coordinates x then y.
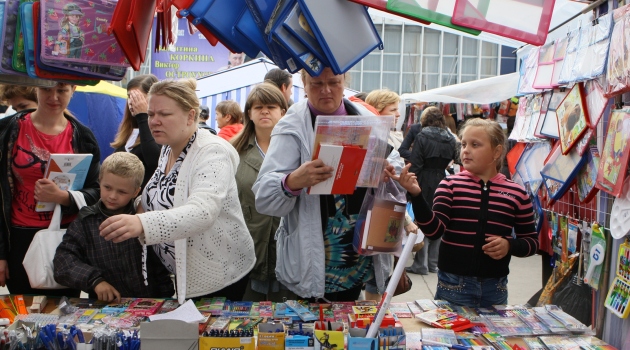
{"type": "Point", "coordinates": [163, 333]}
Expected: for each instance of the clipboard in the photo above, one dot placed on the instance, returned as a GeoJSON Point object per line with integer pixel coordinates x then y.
{"type": "Point", "coordinates": [220, 17]}
{"type": "Point", "coordinates": [530, 25]}
{"type": "Point", "coordinates": [544, 71]}
{"type": "Point", "coordinates": [246, 25]}
{"type": "Point", "coordinates": [344, 29]}
{"type": "Point", "coordinates": [262, 11]}
{"type": "Point", "coordinates": [301, 55]}
{"type": "Point", "coordinates": [184, 4]}
{"type": "Point", "coordinates": [381, 5]}
{"type": "Point", "coordinates": [560, 171]}
{"type": "Point", "coordinates": [9, 26]}
{"type": "Point", "coordinates": [58, 74]}
{"type": "Point", "coordinates": [435, 11]}
{"type": "Point", "coordinates": [131, 25]}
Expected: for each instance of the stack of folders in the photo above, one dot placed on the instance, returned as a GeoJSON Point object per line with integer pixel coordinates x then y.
{"type": "Point", "coordinates": [295, 34]}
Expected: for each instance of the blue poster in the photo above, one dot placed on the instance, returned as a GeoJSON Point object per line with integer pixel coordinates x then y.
{"type": "Point", "coordinates": [191, 57]}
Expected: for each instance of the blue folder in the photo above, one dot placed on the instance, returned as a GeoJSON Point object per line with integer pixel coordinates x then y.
{"type": "Point", "coordinates": [220, 16]}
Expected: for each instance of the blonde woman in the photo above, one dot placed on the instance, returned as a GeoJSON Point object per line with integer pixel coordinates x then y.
{"type": "Point", "coordinates": [191, 208]}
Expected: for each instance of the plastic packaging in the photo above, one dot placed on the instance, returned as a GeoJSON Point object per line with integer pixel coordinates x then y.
{"type": "Point", "coordinates": [379, 228]}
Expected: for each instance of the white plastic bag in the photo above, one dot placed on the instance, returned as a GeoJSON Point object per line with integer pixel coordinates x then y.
{"type": "Point", "coordinates": [38, 261]}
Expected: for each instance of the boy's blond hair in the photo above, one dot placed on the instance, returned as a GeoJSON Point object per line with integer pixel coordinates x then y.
{"type": "Point", "coordinates": [124, 164]}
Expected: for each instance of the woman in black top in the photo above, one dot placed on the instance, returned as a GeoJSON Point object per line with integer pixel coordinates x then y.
{"type": "Point", "coordinates": [433, 150]}
{"type": "Point", "coordinates": [133, 134]}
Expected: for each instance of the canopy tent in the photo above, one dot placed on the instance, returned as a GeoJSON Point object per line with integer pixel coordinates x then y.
{"type": "Point", "coordinates": [101, 109]}
{"type": "Point", "coordinates": [236, 83]}
{"type": "Point", "coordinates": [481, 91]}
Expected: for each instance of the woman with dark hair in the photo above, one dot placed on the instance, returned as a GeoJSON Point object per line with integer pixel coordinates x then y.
{"type": "Point", "coordinates": [434, 149]}
{"type": "Point", "coordinates": [27, 139]}
{"type": "Point", "coordinates": [265, 106]}
{"type": "Point", "coordinates": [134, 134]}
{"type": "Point", "coordinates": [283, 80]}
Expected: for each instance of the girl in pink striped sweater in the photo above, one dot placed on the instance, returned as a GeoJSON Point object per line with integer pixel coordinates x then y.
{"type": "Point", "coordinates": [481, 217]}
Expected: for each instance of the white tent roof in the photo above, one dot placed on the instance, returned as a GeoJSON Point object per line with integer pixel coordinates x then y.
{"type": "Point", "coordinates": [481, 91]}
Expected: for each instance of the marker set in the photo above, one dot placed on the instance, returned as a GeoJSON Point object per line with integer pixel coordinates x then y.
{"type": "Point", "coordinates": [619, 291]}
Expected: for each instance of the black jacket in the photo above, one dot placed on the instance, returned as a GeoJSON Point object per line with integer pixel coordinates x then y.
{"type": "Point", "coordinates": [148, 151]}
{"type": "Point", "coordinates": [433, 150]}
{"type": "Point", "coordinates": [83, 141]}
{"type": "Point", "coordinates": [408, 141]}
{"type": "Point", "coordinates": [204, 125]}
{"type": "Point", "coordinates": [84, 259]}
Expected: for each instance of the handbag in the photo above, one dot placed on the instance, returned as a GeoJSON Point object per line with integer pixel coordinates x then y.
{"type": "Point", "coordinates": [404, 283]}
{"type": "Point", "coordinates": [38, 261]}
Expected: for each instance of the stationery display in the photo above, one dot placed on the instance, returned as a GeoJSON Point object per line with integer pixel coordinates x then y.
{"type": "Point", "coordinates": [544, 72]}
{"type": "Point", "coordinates": [596, 101]}
{"type": "Point", "coordinates": [491, 17]}
{"type": "Point", "coordinates": [587, 177]}
{"type": "Point", "coordinates": [617, 68]}
{"type": "Point", "coordinates": [558, 59]}
{"type": "Point", "coordinates": [591, 51]}
{"type": "Point", "coordinates": [131, 25]}
{"type": "Point", "coordinates": [616, 152]}
{"type": "Point", "coordinates": [573, 118]}
{"type": "Point", "coordinates": [498, 326]}
{"type": "Point", "coordinates": [439, 12]}
{"type": "Point", "coordinates": [560, 170]}
{"type": "Point", "coordinates": [618, 296]}
{"type": "Point", "coordinates": [528, 72]}
{"type": "Point", "coordinates": [550, 127]}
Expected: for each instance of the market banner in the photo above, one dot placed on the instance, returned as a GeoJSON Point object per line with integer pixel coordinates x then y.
{"type": "Point", "coordinates": [192, 56]}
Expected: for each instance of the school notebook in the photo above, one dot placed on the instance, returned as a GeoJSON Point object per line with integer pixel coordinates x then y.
{"type": "Point", "coordinates": [68, 171]}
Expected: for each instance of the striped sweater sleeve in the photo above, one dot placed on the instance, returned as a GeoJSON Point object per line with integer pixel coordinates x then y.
{"type": "Point", "coordinates": [526, 242]}
{"type": "Point", "coordinates": [434, 221]}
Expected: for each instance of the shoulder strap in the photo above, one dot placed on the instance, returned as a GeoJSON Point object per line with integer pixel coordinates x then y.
{"type": "Point", "coordinates": [79, 198]}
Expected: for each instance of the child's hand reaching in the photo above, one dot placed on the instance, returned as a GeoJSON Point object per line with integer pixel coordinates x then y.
{"type": "Point", "coordinates": [106, 292]}
{"type": "Point", "coordinates": [407, 180]}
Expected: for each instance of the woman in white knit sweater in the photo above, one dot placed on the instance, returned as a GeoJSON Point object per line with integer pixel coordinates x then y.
{"type": "Point", "coordinates": [192, 212]}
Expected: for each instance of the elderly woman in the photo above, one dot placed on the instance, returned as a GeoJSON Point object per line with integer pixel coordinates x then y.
{"type": "Point", "coordinates": [28, 139]}
{"type": "Point", "coordinates": [315, 257]}
{"type": "Point", "coordinates": [192, 212]}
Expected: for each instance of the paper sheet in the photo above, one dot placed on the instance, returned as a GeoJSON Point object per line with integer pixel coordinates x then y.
{"type": "Point", "coordinates": [187, 312]}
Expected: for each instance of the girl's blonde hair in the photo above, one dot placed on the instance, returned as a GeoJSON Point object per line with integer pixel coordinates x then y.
{"type": "Point", "coordinates": [181, 91]}
{"type": "Point", "coordinates": [380, 99]}
{"type": "Point", "coordinates": [144, 83]}
{"type": "Point", "coordinates": [495, 133]}
{"type": "Point", "coordinates": [231, 108]}
{"type": "Point", "coordinates": [265, 94]}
